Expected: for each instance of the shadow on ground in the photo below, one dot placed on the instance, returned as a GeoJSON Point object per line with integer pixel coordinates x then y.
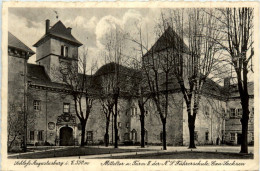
{"type": "Point", "coordinates": [74, 151]}
{"type": "Point", "coordinates": [187, 155]}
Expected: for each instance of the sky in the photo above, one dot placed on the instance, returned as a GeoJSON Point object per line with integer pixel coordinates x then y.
{"type": "Point", "coordinates": [89, 25]}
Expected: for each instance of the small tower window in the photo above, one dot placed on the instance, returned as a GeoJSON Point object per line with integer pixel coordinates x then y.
{"type": "Point", "coordinates": [64, 51]}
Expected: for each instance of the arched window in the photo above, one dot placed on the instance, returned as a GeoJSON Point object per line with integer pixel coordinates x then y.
{"type": "Point", "coordinates": [134, 135]}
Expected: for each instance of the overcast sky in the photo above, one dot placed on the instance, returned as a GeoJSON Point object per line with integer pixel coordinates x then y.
{"type": "Point", "coordinates": [89, 25]}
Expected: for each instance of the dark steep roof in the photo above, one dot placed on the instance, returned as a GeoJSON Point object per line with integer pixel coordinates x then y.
{"type": "Point", "coordinates": [14, 42]}
{"type": "Point", "coordinates": [37, 72]}
{"type": "Point", "coordinates": [128, 78]}
{"type": "Point", "coordinates": [233, 91]}
{"type": "Point", "coordinates": [60, 31]}
{"type": "Point", "coordinates": [210, 87]}
{"type": "Point", "coordinates": [169, 39]}
{"type": "Point", "coordinates": [36, 75]}
{"type": "Point", "coordinates": [112, 67]}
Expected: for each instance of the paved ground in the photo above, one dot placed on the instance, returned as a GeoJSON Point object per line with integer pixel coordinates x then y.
{"type": "Point", "coordinates": [137, 152]}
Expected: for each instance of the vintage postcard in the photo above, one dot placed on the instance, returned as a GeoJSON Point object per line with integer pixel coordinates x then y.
{"type": "Point", "coordinates": [130, 86]}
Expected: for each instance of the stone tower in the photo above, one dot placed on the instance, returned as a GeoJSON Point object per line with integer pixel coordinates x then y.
{"type": "Point", "coordinates": [18, 54]}
{"type": "Point", "coordinates": [56, 46]}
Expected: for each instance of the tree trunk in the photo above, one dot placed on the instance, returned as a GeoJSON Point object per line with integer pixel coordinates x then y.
{"type": "Point", "coordinates": [106, 134]}
{"type": "Point", "coordinates": [83, 132]}
{"type": "Point", "coordinates": [142, 117]}
{"type": "Point", "coordinates": [115, 124]}
{"type": "Point", "coordinates": [116, 132]}
{"type": "Point", "coordinates": [142, 129]}
{"type": "Point", "coordinates": [164, 134]}
{"type": "Point", "coordinates": [244, 122]}
{"type": "Point", "coordinates": [191, 130]}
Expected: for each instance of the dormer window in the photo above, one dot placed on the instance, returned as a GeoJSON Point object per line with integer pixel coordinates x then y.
{"type": "Point", "coordinates": [64, 51]}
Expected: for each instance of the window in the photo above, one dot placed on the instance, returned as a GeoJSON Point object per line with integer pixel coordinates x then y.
{"type": "Point", "coordinates": [206, 136]}
{"type": "Point", "coordinates": [134, 135]}
{"type": "Point", "coordinates": [239, 112]}
{"type": "Point", "coordinates": [232, 112]}
{"type": "Point", "coordinates": [66, 107]}
{"type": "Point", "coordinates": [196, 135]}
{"type": "Point", "coordinates": [40, 135]}
{"type": "Point", "coordinates": [64, 51]}
{"type": "Point", "coordinates": [134, 111]}
{"type": "Point", "coordinates": [37, 105]}
{"type": "Point", "coordinates": [119, 124]}
{"type": "Point", "coordinates": [31, 135]}
{"type": "Point", "coordinates": [89, 135]}
{"type": "Point", "coordinates": [232, 136]}
{"type": "Point", "coordinates": [127, 124]}
{"type": "Point", "coordinates": [206, 110]}
{"type": "Point", "coordinates": [127, 136]}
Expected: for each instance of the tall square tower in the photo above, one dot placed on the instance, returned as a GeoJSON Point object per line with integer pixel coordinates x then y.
{"type": "Point", "coordinates": [56, 47]}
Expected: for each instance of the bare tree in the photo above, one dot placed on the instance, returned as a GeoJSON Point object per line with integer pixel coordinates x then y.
{"type": "Point", "coordinates": [140, 81]}
{"type": "Point", "coordinates": [107, 103]}
{"type": "Point", "coordinates": [190, 64]}
{"type": "Point", "coordinates": [114, 47]}
{"type": "Point", "coordinates": [157, 66]}
{"type": "Point", "coordinates": [78, 83]}
{"type": "Point", "coordinates": [236, 24]}
{"type": "Point", "coordinates": [15, 127]}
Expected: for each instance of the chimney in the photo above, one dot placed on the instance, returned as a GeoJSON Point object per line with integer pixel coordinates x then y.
{"type": "Point", "coordinates": [227, 82]}
{"type": "Point", "coordinates": [69, 29]}
{"type": "Point", "coordinates": [47, 25]}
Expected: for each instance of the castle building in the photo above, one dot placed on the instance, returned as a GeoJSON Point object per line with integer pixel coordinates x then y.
{"type": "Point", "coordinates": [50, 111]}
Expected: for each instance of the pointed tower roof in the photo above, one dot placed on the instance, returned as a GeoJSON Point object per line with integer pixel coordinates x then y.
{"type": "Point", "coordinates": [59, 31]}
{"type": "Point", "coordinates": [14, 42]}
{"type": "Point", "coordinates": [169, 39]}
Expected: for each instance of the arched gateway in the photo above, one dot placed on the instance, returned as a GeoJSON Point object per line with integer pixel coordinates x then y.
{"type": "Point", "coordinates": [66, 129]}
{"type": "Point", "coordinates": [66, 136]}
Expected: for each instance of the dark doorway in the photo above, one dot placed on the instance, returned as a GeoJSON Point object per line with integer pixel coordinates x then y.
{"type": "Point", "coordinates": [239, 138]}
{"type": "Point", "coordinates": [66, 136]}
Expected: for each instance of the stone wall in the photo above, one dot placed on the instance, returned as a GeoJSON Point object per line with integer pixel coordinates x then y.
{"type": "Point", "coordinates": [16, 99]}
{"type": "Point", "coordinates": [209, 121]}
{"type": "Point", "coordinates": [51, 106]}
{"type": "Point", "coordinates": [233, 124]}
{"type": "Point", "coordinates": [153, 124]}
